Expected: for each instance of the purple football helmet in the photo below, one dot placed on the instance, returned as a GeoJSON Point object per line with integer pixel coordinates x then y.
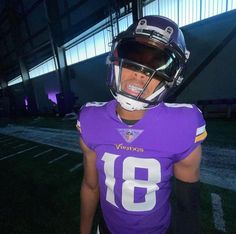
{"type": "Point", "coordinates": [154, 46]}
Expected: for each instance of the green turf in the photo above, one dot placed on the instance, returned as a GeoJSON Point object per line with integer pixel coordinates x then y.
{"type": "Point", "coordinates": [36, 197]}
{"type": "Point", "coordinates": [228, 199]}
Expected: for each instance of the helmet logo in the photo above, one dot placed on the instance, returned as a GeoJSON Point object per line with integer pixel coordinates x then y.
{"type": "Point", "coordinates": [169, 30]}
{"type": "Point", "coordinates": [154, 32]}
{"type": "Point", "coordinates": [142, 22]}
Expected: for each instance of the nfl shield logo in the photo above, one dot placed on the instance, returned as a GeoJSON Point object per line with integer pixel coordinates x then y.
{"type": "Point", "coordinates": [128, 134]}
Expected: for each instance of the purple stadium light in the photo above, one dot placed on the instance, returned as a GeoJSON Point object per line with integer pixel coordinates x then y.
{"type": "Point", "coordinates": [26, 103]}
{"type": "Point", "coordinates": [52, 97]}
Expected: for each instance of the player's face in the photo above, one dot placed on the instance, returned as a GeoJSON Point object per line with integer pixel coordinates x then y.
{"type": "Point", "coordinates": [133, 82]}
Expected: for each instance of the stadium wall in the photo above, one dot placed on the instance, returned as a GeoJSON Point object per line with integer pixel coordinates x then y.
{"type": "Point", "coordinates": [217, 80]}
{"type": "Point", "coordinates": [88, 80]}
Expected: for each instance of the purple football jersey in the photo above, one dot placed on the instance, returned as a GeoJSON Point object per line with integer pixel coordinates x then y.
{"type": "Point", "coordinates": [135, 163]}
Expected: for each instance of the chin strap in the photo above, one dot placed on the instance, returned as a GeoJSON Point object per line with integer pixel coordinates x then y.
{"type": "Point", "coordinates": [130, 104]}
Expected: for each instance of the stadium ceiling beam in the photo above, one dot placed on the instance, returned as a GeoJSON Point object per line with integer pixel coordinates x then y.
{"type": "Point", "coordinates": [83, 25]}
{"type": "Point", "coordinates": [115, 6]}
{"type": "Point", "coordinates": [15, 20]}
{"type": "Point", "coordinates": [32, 8]}
{"type": "Point", "coordinates": [32, 37]}
{"type": "Point", "coordinates": [68, 15]}
{"type": "Point", "coordinates": [27, 24]}
{"type": "Point", "coordinates": [75, 7]}
{"type": "Point", "coordinates": [55, 32]}
{"type": "Point", "coordinates": [38, 48]}
{"type": "Point", "coordinates": [3, 39]}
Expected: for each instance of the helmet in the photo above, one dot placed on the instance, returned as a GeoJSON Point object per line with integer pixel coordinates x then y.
{"type": "Point", "coordinates": [154, 48]}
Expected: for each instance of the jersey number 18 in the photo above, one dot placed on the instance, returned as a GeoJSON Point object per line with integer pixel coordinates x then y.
{"type": "Point", "coordinates": [130, 164]}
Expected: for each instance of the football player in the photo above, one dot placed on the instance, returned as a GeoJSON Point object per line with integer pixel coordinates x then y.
{"type": "Point", "coordinates": [134, 144]}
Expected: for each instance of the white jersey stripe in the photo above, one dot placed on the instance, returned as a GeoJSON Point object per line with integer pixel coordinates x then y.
{"type": "Point", "coordinates": [176, 105]}
{"type": "Point", "coordinates": [200, 130]}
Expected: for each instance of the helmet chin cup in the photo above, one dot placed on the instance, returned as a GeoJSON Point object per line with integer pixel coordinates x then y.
{"type": "Point", "coordinates": [130, 104]}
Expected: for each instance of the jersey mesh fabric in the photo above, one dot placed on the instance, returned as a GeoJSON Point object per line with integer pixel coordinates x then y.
{"type": "Point", "coordinates": [135, 163]}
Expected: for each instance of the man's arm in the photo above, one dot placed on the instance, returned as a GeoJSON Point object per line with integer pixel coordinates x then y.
{"type": "Point", "coordinates": [187, 173]}
{"type": "Point", "coordinates": [89, 193]}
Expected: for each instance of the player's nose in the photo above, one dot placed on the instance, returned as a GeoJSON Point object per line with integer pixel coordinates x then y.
{"type": "Point", "coordinates": [139, 75]}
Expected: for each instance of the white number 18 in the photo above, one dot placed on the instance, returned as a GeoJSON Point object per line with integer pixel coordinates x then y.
{"type": "Point", "coordinates": [130, 183]}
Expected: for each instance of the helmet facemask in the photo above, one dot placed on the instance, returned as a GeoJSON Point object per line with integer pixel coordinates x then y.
{"type": "Point", "coordinates": [135, 81]}
{"type": "Point", "coordinates": [158, 58]}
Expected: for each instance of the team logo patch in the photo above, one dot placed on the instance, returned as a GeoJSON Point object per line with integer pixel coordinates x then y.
{"type": "Point", "coordinates": [128, 134]}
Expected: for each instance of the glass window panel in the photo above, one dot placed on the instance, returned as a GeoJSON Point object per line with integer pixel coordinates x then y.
{"type": "Point", "coordinates": [115, 30]}
{"type": "Point", "coordinates": [90, 49]}
{"type": "Point", "coordinates": [130, 19]}
{"type": "Point", "coordinates": [45, 68]}
{"type": "Point", "coordinates": [34, 73]}
{"type": "Point", "coordinates": [189, 12]}
{"type": "Point", "coordinates": [14, 81]}
{"type": "Point", "coordinates": [123, 24]}
{"type": "Point", "coordinates": [99, 43]}
{"type": "Point", "coordinates": [31, 74]}
{"type": "Point", "coordinates": [74, 55]}
{"type": "Point", "coordinates": [39, 71]}
{"type": "Point", "coordinates": [151, 8]}
{"type": "Point", "coordinates": [231, 4]}
{"type": "Point", "coordinates": [68, 57]}
{"type": "Point", "coordinates": [212, 7]}
{"type": "Point", "coordinates": [51, 66]}
{"type": "Point", "coordinates": [81, 51]}
{"type": "Point", "coordinates": [42, 69]}
{"type": "Point", "coordinates": [169, 8]}
{"type": "Point", "coordinates": [107, 36]}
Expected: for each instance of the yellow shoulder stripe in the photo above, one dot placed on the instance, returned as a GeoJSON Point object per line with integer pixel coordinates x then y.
{"type": "Point", "coordinates": [201, 136]}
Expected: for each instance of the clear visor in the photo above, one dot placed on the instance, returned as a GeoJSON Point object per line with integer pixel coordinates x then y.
{"type": "Point", "coordinates": [162, 61]}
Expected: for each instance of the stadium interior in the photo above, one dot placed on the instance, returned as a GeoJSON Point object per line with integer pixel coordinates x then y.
{"type": "Point", "coordinates": [53, 61]}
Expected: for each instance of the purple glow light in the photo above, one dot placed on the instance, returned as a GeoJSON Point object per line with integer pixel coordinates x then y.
{"type": "Point", "coordinates": [26, 102]}
{"type": "Point", "coordinates": [52, 97]}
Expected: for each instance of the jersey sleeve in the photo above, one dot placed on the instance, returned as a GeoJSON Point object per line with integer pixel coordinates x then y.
{"type": "Point", "coordinates": [196, 132]}
{"type": "Point", "coordinates": [88, 122]}
{"type": "Point", "coordinates": [82, 125]}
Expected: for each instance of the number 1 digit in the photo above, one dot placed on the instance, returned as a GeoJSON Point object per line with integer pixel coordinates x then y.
{"type": "Point", "coordinates": [109, 169]}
